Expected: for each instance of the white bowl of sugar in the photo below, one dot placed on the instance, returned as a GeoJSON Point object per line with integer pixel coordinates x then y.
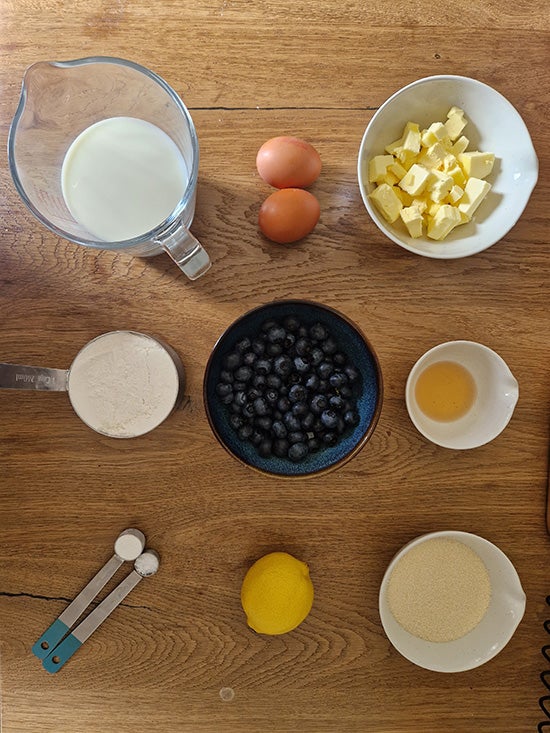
{"type": "Point", "coordinates": [450, 601]}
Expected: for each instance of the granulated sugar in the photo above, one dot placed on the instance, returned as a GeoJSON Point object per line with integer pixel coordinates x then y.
{"type": "Point", "coordinates": [123, 384]}
{"type": "Point", "coordinates": [439, 590]}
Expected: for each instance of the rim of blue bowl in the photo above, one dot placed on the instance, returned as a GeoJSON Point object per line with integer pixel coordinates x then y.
{"type": "Point", "coordinates": [377, 371]}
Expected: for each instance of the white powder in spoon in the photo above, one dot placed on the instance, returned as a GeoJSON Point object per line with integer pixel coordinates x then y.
{"type": "Point", "coordinates": [439, 590]}
{"type": "Point", "coordinates": [123, 384]}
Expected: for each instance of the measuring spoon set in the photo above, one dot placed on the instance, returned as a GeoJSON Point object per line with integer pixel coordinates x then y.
{"type": "Point", "coordinates": [58, 643]}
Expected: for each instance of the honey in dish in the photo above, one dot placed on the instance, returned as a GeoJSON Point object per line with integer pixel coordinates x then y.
{"type": "Point", "coordinates": [445, 391]}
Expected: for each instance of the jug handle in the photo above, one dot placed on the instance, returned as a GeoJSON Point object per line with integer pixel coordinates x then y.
{"type": "Point", "coordinates": [19, 376]}
{"type": "Point", "coordinates": [186, 251]}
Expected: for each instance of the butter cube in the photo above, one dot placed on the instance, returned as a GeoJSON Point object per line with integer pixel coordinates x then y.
{"type": "Point", "coordinates": [457, 174]}
{"type": "Point", "coordinates": [439, 185]}
{"type": "Point", "coordinates": [434, 156]}
{"type": "Point", "coordinates": [433, 208]}
{"type": "Point", "coordinates": [390, 179]}
{"type": "Point", "coordinates": [476, 164]}
{"type": "Point", "coordinates": [436, 133]}
{"type": "Point", "coordinates": [449, 161]}
{"type": "Point", "coordinates": [411, 138]}
{"type": "Point", "coordinates": [415, 181]}
{"type": "Point", "coordinates": [446, 219]}
{"type": "Point", "coordinates": [386, 201]}
{"type": "Point", "coordinates": [397, 169]}
{"type": "Point", "coordinates": [412, 218]}
{"type": "Point", "coordinates": [421, 204]}
{"type": "Point", "coordinates": [474, 193]}
{"type": "Point", "coordinates": [405, 157]}
{"type": "Point", "coordinates": [378, 167]}
{"type": "Point", "coordinates": [455, 194]}
{"type": "Point", "coordinates": [460, 145]}
{"type": "Point", "coordinates": [455, 122]}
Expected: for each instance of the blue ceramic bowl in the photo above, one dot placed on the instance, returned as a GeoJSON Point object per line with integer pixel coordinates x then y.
{"type": "Point", "coordinates": [350, 341]}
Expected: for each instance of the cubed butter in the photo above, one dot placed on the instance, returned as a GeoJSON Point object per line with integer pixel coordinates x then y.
{"type": "Point", "coordinates": [405, 198]}
{"type": "Point", "coordinates": [397, 169]}
{"type": "Point", "coordinates": [433, 157]}
{"type": "Point", "coordinates": [421, 204]}
{"type": "Point", "coordinates": [476, 164]}
{"type": "Point", "coordinates": [460, 145]}
{"type": "Point", "coordinates": [415, 181]}
{"type": "Point", "coordinates": [455, 194]}
{"type": "Point", "coordinates": [378, 167]}
{"type": "Point", "coordinates": [386, 201]}
{"type": "Point", "coordinates": [411, 138]}
{"type": "Point", "coordinates": [439, 185]}
{"type": "Point", "coordinates": [455, 122]}
{"type": "Point", "coordinates": [436, 133]}
{"type": "Point", "coordinates": [474, 193]}
{"type": "Point", "coordinates": [412, 218]}
{"type": "Point", "coordinates": [446, 219]}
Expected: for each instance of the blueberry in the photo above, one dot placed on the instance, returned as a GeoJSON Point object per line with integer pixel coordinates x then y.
{"type": "Point", "coordinates": [280, 447]}
{"type": "Point", "coordinates": [318, 332]}
{"type": "Point", "coordinates": [239, 386]}
{"type": "Point", "coordinates": [346, 392]}
{"type": "Point", "coordinates": [274, 381]}
{"type": "Point", "coordinates": [243, 345]}
{"type": "Point", "coordinates": [297, 451]}
{"type": "Point", "coordinates": [329, 419]}
{"type": "Point", "coordinates": [313, 444]}
{"type": "Point", "coordinates": [264, 423]}
{"type": "Point", "coordinates": [266, 325]}
{"type": "Point", "coordinates": [323, 387]}
{"type": "Point", "coordinates": [226, 376]}
{"type": "Point", "coordinates": [282, 365]}
{"type": "Point", "coordinates": [256, 437]}
{"type": "Point", "coordinates": [261, 407]}
{"type": "Point", "coordinates": [297, 393]}
{"type": "Point", "coordinates": [329, 346]}
{"type": "Point", "coordinates": [329, 438]}
{"type": "Point", "coordinates": [303, 347]}
{"type": "Point", "coordinates": [236, 421]}
{"type": "Point", "coordinates": [283, 404]}
{"type": "Point", "coordinates": [317, 355]}
{"type": "Point", "coordinates": [248, 410]}
{"type": "Point", "coordinates": [245, 432]}
{"type": "Point", "coordinates": [301, 364]}
{"type": "Point", "coordinates": [253, 393]}
{"type": "Point", "coordinates": [258, 346]}
{"type": "Point", "coordinates": [325, 369]}
{"type": "Point", "coordinates": [291, 323]}
{"type": "Point", "coordinates": [352, 373]}
{"type": "Point", "coordinates": [290, 340]}
{"type": "Point", "coordinates": [351, 417]}
{"type": "Point", "coordinates": [308, 421]}
{"type": "Point", "coordinates": [336, 403]}
{"type": "Point", "coordinates": [249, 358]}
{"type": "Point", "coordinates": [232, 360]}
{"type": "Point", "coordinates": [279, 430]}
{"type": "Point", "coordinates": [240, 399]}
{"type": "Point", "coordinates": [265, 447]}
{"type": "Point", "coordinates": [276, 335]}
{"type": "Point", "coordinates": [318, 403]}
{"type": "Point", "coordinates": [339, 359]}
{"type": "Point", "coordinates": [243, 374]}
{"type": "Point", "coordinates": [274, 349]}
{"type": "Point", "coordinates": [300, 409]}
{"type": "Point", "coordinates": [223, 389]}
{"type": "Point", "coordinates": [312, 382]}
{"type": "Point", "coordinates": [259, 381]}
{"type": "Point", "coordinates": [337, 380]}
{"type": "Point", "coordinates": [296, 436]}
{"type": "Point", "coordinates": [262, 366]}
{"type": "Point", "coordinates": [272, 396]}
{"type": "Point", "coordinates": [291, 421]}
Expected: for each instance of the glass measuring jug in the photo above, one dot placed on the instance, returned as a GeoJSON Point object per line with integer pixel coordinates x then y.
{"type": "Point", "coordinates": [63, 101]}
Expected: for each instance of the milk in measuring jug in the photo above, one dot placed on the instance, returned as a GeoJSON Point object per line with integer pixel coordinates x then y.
{"type": "Point", "coordinates": [121, 177]}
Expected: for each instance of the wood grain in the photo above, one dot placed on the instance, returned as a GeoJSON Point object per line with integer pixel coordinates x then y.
{"type": "Point", "coordinates": [249, 71]}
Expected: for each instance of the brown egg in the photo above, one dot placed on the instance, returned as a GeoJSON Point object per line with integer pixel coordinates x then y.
{"type": "Point", "coordinates": [288, 162]}
{"type": "Point", "coordinates": [288, 215]}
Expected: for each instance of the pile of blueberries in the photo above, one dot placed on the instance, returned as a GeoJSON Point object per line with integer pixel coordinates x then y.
{"type": "Point", "coordinates": [289, 389]}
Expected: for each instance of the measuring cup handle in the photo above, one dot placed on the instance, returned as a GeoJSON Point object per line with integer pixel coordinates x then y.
{"type": "Point", "coordinates": [186, 251]}
{"type": "Point", "coordinates": [18, 376]}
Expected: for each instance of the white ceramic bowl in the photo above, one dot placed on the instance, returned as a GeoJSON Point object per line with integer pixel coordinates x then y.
{"type": "Point", "coordinates": [494, 126]}
{"type": "Point", "coordinates": [497, 395]}
{"type": "Point", "coordinates": [488, 638]}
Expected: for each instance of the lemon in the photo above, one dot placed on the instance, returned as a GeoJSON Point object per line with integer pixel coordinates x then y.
{"type": "Point", "coordinates": [277, 593]}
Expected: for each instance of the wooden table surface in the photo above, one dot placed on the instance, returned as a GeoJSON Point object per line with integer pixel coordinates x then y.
{"type": "Point", "coordinates": [248, 71]}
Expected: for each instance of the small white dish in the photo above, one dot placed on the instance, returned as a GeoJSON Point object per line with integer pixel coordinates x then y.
{"type": "Point", "coordinates": [488, 638]}
{"type": "Point", "coordinates": [496, 398]}
{"type": "Point", "coordinates": [494, 125]}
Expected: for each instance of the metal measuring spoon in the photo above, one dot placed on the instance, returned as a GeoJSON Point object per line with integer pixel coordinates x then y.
{"type": "Point", "coordinates": [145, 565]}
{"type": "Point", "coordinates": [128, 546]}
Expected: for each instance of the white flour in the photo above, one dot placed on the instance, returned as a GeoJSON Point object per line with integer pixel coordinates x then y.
{"type": "Point", "coordinates": [123, 384]}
